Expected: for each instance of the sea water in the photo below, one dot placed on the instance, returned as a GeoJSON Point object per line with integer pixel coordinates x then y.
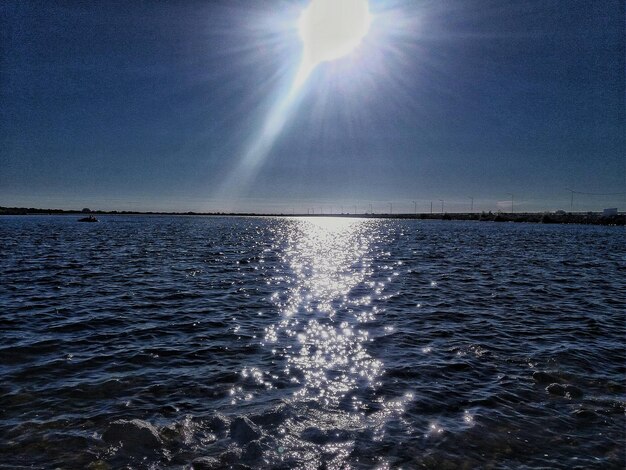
{"type": "Point", "coordinates": [209, 342]}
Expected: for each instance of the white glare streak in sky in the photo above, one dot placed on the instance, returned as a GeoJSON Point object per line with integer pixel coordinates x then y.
{"type": "Point", "coordinates": [329, 30]}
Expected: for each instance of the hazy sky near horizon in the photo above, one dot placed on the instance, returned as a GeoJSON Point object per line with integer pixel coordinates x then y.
{"type": "Point", "coordinates": [150, 106]}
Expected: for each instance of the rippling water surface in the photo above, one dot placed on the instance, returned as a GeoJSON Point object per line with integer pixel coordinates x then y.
{"type": "Point", "coordinates": [191, 342]}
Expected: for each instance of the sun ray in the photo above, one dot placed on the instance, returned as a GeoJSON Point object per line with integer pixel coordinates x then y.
{"type": "Point", "coordinates": [329, 30]}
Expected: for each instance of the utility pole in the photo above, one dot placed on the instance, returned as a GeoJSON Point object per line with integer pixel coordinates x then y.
{"type": "Point", "coordinates": [415, 207]}
{"type": "Point", "coordinates": [441, 206]}
{"type": "Point", "coordinates": [511, 201]}
{"type": "Point", "coordinates": [472, 204]}
{"type": "Point", "coordinates": [431, 207]}
{"type": "Point", "coordinates": [571, 201]}
{"type": "Point", "coordinates": [342, 209]}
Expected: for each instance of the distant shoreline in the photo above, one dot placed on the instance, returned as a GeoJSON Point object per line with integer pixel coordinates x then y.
{"type": "Point", "coordinates": [585, 218]}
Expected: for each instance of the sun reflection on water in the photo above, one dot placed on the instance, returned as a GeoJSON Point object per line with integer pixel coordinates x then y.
{"type": "Point", "coordinates": [321, 308]}
{"type": "Point", "coordinates": [327, 302]}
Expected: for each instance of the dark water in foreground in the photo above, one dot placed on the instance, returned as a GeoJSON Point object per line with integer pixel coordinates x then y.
{"type": "Point", "coordinates": [310, 343]}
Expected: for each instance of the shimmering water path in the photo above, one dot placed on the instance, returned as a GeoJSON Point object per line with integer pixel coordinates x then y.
{"type": "Point", "coordinates": [200, 342]}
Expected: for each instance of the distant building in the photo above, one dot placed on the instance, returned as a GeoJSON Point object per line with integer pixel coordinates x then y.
{"type": "Point", "coordinates": [609, 212]}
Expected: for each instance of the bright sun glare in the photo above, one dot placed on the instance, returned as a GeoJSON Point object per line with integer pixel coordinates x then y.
{"type": "Point", "coordinates": [331, 29]}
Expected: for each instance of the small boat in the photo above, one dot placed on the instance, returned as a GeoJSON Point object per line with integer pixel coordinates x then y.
{"type": "Point", "coordinates": [91, 218]}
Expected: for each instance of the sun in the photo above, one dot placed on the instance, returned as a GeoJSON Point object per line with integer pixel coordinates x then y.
{"type": "Point", "coordinates": [331, 29]}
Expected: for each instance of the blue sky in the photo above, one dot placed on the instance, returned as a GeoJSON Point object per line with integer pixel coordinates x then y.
{"type": "Point", "coordinates": [151, 105]}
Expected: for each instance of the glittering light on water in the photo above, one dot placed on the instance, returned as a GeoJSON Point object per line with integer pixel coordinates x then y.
{"type": "Point", "coordinates": [331, 358]}
{"type": "Point", "coordinates": [321, 335]}
{"type": "Point", "coordinates": [435, 429]}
